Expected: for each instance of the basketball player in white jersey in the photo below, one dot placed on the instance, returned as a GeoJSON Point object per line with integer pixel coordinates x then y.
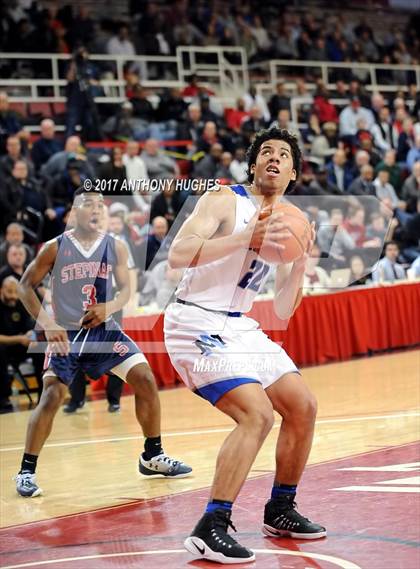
{"type": "Point", "coordinates": [217, 245]}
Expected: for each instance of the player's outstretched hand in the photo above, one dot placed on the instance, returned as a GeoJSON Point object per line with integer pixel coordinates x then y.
{"type": "Point", "coordinates": [301, 262]}
{"type": "Point", "coordinates": [58, 340]}
{"type": "Point", "coordinates": [267, 227]}
{"type": "Point", "coordinates": [94, 316]}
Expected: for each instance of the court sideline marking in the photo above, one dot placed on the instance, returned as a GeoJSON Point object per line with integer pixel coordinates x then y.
{"type": "Point", "coordinates": [219, 430]}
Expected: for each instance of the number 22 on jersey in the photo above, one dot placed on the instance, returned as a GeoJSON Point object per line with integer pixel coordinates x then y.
{"type": "Point", "coordinates": [252, 278]}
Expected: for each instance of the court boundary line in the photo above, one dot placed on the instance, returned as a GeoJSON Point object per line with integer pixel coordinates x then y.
{"type": "Point", "coordinates": [210, 431]}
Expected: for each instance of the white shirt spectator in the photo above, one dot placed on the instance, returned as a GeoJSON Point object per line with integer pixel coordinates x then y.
{"type": "Point", "coordinates": [349, 118]}
{"type": "Point", "coordinates": [388, 271]}
{"type": "Point", "coordinates": [386, 192]}
{"type": "Point", "coordinates": [258, 101]}
{"type": "Point", "coordinates": [117, 46]}
{"type": "Point", "coordinates": [238, 170]}
{"type": "Point", "coordinates": [136, 170]}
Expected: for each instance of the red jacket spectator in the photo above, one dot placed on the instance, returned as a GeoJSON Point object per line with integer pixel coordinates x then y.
{"type": "Point", "coordinates": [325, 111]}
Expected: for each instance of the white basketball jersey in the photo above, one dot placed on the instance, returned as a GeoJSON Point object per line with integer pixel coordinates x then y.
{"type": "Point", "coordinates": [232, 282]}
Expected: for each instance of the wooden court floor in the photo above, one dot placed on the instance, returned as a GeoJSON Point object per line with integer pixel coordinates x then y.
{"type": "Point", "coordinates": [90, 460]}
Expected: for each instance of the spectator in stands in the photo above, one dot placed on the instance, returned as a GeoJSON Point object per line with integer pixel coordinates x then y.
{"type": "Point", "coordinates": [376, 231]}
{"type": "Point", "coordinates": [62, 188]}
{"type": "Point", "coordinates": [334, 239]}
{"type": "Point", "coordinates": [388, 269]}
{"type": "Point", "coordinates": [192, 127]}
{"type": "Point", "coordinates": [156, 248]}
{"type": "Point", "coordinates": [394, 171]}
{"type": "Point", "coordinates": [167, 203]}
{"type": "Point", "coordinates": [158, 165]}
{"type": "Point", "coordinates": [252, 99]}
{"type": "Point", "coordinates": [223, 171]}
{"type": "Point", "coordinates": [194, 89]}
{"type": "Point", "coordinates": [172, 106]}
{"type": "Point", "coordinates": [207, 167]}
{"type": "Point", "coordinates": [142, 107]}
{"type": "Point", "coordinates": [13, 236]}
{"type": "Point", "coordinates": [207, 115]}
{"type": "Point", "coordinates": [57, 164]}
{"type": "Point", "coordinates": [15, 263]}
{"type": "Point", "coordinates": [315, 277]}
{"type": "Point", "coordinates": [16, 334]}
{"type": "Point", "coordinates": [354, 224]}
{"type": "Point", "coordinates": [413, 154]}
{"type": "Point", "coordinates": [134, 164]}
{"type": "Point", "coordinates": [385, 191]}
{"type": "Point", "coordinates": [82, 87]}
{"type": "Point", "coordinates": [14, 153]}
{"type": "Point", "coordinates": [385, 135]}
{"type": "Point", "coordinates": [186, 33]}
{"type": "Point", "coordinates": [20, 192]}
{"type": "Point", "coordinates": [253, 124]}
{"type": "Point", "coordinates": [46, 145]}
{"type": "Point", "coordinates": [239, 166]}
{"type": "Point", "coordinates": [325, 144]}
{"type": "Point", "coordinates": [351, 114]}
{"type": "Point", "coordinates": [9, 122]}
{"type": "Point", "coordinates": [312, 131]}
{"type": "Point", "coordinates": [325, 111]}
{"type": "Point", "coordinates": [235, 117]}
{"type": "Point", "coordinates": [408, 233]}
{"type": "Point", "coordinates": [339, 171]}
{"type": "Point", "coordinates": [120, 43]}
{"type": "Point", "coordinates": [405, 140]}
{"type": "Point", "coordinates": [263, 40]}
{"type": "Point", "coordinates": [411, 188]}
{"type": "Point", "coordinates": [359, 274]}
{"type": "Point", "coordinates": [82, 30]}
{"type": "Point", "coordinates": [285, 45]}
{"type": "Point", "coordinates": [114, 171]}
{"type": "Point", "coordinates": [208, 137]}
{"type": "Point", "coordinates": [361, 158]}
{"type": "Point", "coordinates": [123, 124]}
{"type": "Point", "coordinates": [363, 184]}
{"type": "Point", "coordinates": [279, 101]}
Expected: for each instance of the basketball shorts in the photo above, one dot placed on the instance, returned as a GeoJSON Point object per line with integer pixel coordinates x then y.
{"type": "Point", "coordinates": [213, 353]}
{"type": "Point", "coordinates": [95, 351]}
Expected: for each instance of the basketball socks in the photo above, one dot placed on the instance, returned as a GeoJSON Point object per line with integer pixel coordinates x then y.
{"type": "Point", "coordinates": [152, 447]}
{"type": "Point", "coordinates": [282, 490]}
{"type": "Point", "coordinates": [218, 504]}
{"type": "Point", "coordinates": [28, 463]}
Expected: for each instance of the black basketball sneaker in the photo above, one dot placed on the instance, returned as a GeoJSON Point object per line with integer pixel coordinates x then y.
{"type": "Point", "coordinates": [210, 540]}
{"type": "Point", "coordinates": [281, 519]}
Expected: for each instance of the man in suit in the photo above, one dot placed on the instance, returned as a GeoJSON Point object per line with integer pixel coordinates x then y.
{"type": "Point", "coordinates": [387, 268]}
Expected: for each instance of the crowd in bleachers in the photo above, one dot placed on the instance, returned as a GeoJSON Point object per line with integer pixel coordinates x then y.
{"type": "Point", "coordinates": [265, 30]}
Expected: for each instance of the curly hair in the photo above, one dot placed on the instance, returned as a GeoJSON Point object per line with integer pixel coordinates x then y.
{"type": "Point", "coordinates": [275, 134]}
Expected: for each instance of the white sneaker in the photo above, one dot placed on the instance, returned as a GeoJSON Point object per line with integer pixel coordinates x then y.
{"type": "Point", "coordinates": [26, 485]}
{"type": "Point", "coordinates": [162, 465]}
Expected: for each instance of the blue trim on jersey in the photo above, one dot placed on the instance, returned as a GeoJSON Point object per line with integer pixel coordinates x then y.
{"type": "Point", "coordinates": [240, 190]}
{"type": "Point", "coordinates": [214, 391]}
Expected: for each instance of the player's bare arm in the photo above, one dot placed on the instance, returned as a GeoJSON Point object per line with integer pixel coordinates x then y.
{"type": "Point", "coordinates": [32, 277]}
{"type": "Point", "coordinates": [206, 236]}
{"type": "Point", "coordinates": [289, 283]}
{"type": "Point", "coordinates": [100, 312]}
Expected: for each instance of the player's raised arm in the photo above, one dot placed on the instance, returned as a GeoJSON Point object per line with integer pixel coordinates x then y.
{"type": "Point", "coordinates": [31, 278]}
{"type": "Point", "coordinates": [201, 239]}
{"type": "Point", "coordinates": [289, 283]}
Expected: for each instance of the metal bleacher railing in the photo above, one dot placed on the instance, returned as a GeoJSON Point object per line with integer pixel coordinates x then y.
{"type": "Point", "coordinates": [224, 69]}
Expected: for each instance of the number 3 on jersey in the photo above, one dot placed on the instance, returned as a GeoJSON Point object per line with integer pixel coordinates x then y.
{"type": "Point", "coordinates": [90, 292]}
{"type": "Point", "coordinates": [252, 279]}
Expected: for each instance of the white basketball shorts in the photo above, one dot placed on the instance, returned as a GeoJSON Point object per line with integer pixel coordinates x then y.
{"type": "Point", "coordinates": [214, 353]}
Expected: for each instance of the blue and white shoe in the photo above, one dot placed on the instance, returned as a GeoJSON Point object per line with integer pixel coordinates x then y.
{"type": "Point", "coordinates": [26, 485]}
{"type": "Point", "coordinates": [162, 465]}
